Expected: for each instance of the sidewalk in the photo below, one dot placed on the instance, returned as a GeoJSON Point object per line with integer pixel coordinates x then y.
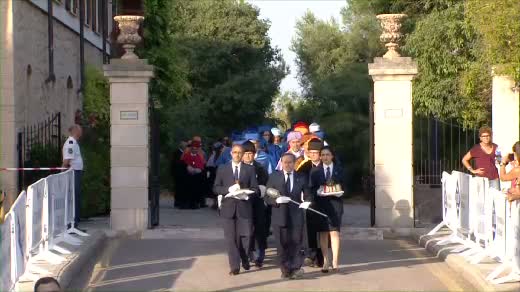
{"type": "Point", "coordinates": [472, 273]}
{"type": "Point", "coordinates": [187, 253]}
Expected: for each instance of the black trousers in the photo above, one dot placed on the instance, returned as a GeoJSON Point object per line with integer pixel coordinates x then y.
{"type": "Point", "coordinates": [289, 242]}
{"type": "Point", "coordinates": [312, 238]}
{"type": "Point", "coordinates": [237, 234]}
{"type": "Point", "coordinates": [196, 189]}
{"type": "Point", "coordinates": [260, 233]}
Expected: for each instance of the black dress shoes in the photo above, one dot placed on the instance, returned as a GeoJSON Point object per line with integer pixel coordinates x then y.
{"type": "Point", "coordinates": [234, 272]}
{"type": "Point", "coordinates": [246, 266]}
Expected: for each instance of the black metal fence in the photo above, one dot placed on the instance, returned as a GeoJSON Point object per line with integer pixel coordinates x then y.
{"type": "Point", "coordinates": [39, 145]}
{"type": "Point", "coordinates": [154, 170]}
{"type": "Point", "coordinates": [439, 146]}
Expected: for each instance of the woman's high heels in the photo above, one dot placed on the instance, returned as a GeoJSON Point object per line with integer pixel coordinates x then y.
{"type": "Point", "coordinates": [325, 268]}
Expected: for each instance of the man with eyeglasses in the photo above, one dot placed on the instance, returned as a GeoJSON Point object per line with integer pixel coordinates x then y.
{"type": "Point", "coordinates": [485, 156]}
{"type": "Point", "coordinates": [314, 256]}
{"type": "Point", "coordinates": [237, 214]}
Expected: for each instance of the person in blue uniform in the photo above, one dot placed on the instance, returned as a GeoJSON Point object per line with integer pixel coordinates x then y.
{"type": "Point", "coordinates": [329, 174]}
{"type": "Point", "coordinates": [287, 218]}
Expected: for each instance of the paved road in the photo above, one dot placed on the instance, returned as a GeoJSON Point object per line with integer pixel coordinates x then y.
{"type": "Point", "coordinates": [187, 253]}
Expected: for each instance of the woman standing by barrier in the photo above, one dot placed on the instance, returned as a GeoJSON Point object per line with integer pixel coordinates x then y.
{"type": "Point", "coordinates": [514, 175]}
{"type": "Point", "coordinates": [484, 155]}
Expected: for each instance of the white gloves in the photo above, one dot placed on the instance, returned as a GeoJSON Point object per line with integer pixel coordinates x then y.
{"type": "Point", "coordinates": [262, 190]}
{"type": "Point", "coordinates": [234, 188]}
{"type": "Point", "coordinates": [283, 200]}
{"type": "Point", "coordinates": [193, 170]}
{"type": "Point", "coordinates": [219, 201]}
{"type": "Point", "coordinates": [305, 205]}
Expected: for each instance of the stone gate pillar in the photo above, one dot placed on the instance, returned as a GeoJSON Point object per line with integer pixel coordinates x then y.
{"type": "Point", "coordinates": [505, 112]}
{"type": "Point", "coordinates": [129, 130]}
{"type": "Point", "coordinates": [392, 76]}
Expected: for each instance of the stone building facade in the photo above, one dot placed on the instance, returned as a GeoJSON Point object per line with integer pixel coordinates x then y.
{"type": "Point", "coordinates": [28, 94]}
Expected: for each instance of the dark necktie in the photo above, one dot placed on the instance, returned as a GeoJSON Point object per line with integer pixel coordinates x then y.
{"type": "Point", "coordinates": [288, 183]}
{"type": "Point", "coordinates": [327, 174]}
{"type": "Point", "coordinates": [235, 174]}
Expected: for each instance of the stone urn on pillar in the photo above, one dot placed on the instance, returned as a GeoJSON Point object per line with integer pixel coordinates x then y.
{"type": "Point", "coordinates": [393, 74]}
{"type": "Point", "coordinates": [129, 77]}
{"type": "Point", "coordinates": [391, 36]}
{"type": "Point", "coordinates": [128, 36]}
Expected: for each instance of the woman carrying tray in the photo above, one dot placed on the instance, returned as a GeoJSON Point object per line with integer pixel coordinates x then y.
{"type": "Point", "coordinates": [327, 187]}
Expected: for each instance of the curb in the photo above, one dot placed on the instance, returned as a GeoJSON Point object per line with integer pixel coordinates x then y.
{"type": "Point", "coordinates": [91, 249]}
{"type": "Point", "coordinates": [474, 274]}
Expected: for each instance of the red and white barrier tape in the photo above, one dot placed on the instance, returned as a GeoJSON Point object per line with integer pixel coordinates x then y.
{"type": "Point", "coordinates": [31, 168]}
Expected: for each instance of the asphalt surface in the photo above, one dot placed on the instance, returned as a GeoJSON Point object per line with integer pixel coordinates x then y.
{"type": "Point", "coordinates": [187, 253]}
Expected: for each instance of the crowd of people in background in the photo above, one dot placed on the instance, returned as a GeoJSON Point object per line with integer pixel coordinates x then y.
{"type": "Point", "coordinates": [297, 163]}
{"type": "Point", "coordinates": [194, 164]}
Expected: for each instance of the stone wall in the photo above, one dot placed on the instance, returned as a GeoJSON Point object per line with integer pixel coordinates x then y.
{"type": "Point", "coordinates": [37, 99]}
{"type": "Point", "coordinates": [7, 102]}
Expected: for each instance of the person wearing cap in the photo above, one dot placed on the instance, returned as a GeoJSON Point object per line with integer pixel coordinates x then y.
{"type": "Point", "coordinates": [260, 155]}
{"type": "Point", "coordinates": [275, 146]}
{"type": "Point", "coordinates": [236, 214]}
{"type": "Point", "coordinates": [294, 139]}
{"type": "Point", "coordinates": [315, 129]}
{"type": "Point", "coordinates": [314, 255]}
{"type": "Point", "coordinates": [301, 127]}
{"type": "Point", "coordinates": [195, 164]}
{"type": "Point", "coordinates": [260, 213]}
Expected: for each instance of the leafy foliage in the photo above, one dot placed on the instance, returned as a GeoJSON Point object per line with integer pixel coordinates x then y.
{"type": "Point", "coordinates": [95, 145]}
{"type": "Point", "coordinates": [499, 28]}
{"type": "Point", "coordinates": [332, 67]}
{"type": "Point", "coordinates": [220, 72]}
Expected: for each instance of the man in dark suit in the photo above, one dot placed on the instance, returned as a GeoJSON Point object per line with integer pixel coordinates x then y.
{"type": "Point", "coordinates": [261, 231]}
{"type": "Point", "coordinates": [237, 214]}
{"type": "Point", "coordinates": [287, 218]}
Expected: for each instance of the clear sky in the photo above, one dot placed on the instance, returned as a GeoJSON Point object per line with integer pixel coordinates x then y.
{"type": "Point", "coordinates": [283, 15]}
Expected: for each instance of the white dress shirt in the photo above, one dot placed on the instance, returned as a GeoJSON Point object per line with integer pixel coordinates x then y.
{"type": "Point", "coordinates": [236, 164]}
{"type": "Point", "coordinates": [291, 177]}
{"type": "Point", "coordinates": [330, 166]}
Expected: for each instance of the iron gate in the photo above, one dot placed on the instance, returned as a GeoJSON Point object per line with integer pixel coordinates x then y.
{"type": "Point", "coordinates": [438, 146]}
{"type": "Point", "coordinates": [154, 187]}
{"type": "Point", "coordinates": [39, 145]}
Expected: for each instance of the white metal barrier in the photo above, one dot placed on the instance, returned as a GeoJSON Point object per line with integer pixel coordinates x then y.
{"type": "Point", "coordinates": [484, 222]}
{"type": "Point", "coordinates": [37, 223]}
{"type": "Point", "coordinates": [6, 278]}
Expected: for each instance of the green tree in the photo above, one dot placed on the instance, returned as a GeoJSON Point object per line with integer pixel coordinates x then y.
{"type": "Point", "coordinates": [225, 70]}
{"type": "Point", "coordinates": [497, 22]}
{"type": "Point", "coordinates": [443, 44]}
{"type": "Point", "coordinates": [332, 69]}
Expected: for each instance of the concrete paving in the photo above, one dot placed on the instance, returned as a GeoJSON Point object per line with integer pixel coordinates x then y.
{"type": "Point", "coordinates": [187, 253]}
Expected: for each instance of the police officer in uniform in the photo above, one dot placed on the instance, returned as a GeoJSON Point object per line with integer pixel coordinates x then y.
{"type": "Point", "coordinates": [72, 159]}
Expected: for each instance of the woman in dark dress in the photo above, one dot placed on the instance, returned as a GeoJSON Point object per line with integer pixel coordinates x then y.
{"type": "Point", "coordinates": [328, 174]}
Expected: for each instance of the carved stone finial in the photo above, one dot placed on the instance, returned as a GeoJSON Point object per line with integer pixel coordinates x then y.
{"type": "Point", "coordinates": [128, 36]}
{"type": "Point", "coordinates": [391, 24]}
